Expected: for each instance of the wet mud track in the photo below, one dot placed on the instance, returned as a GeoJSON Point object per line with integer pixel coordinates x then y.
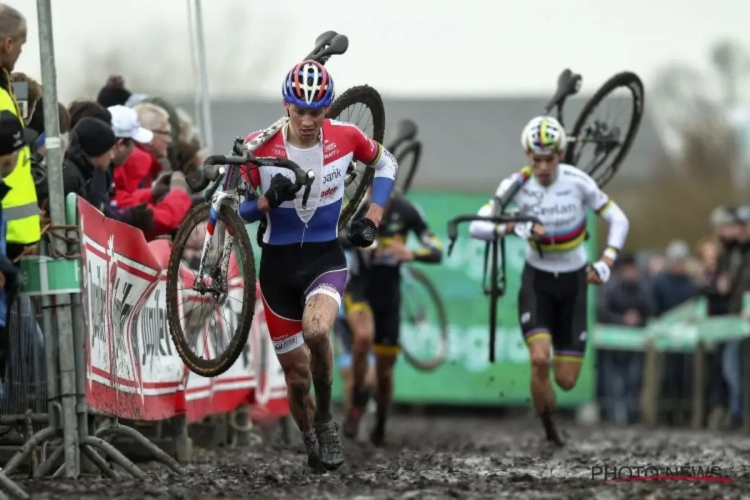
{"type": "Point", "coordinates": [439, 458]}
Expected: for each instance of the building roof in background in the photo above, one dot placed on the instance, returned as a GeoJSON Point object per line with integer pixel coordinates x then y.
{"type": "Point", "coordinates": [469, 145]}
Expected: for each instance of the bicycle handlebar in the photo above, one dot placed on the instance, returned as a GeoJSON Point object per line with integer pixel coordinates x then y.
{"type": "Point", "coordinates": [213, 168]}
{"type": "Point", "coordinates": [497, 219]}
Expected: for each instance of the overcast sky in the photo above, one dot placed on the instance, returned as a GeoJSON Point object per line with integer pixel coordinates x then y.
{"type": "Point", "coordinates": [402, 47]}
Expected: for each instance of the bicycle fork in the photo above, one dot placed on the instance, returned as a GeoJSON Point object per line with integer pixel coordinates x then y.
{"type": "Point", "coordinates": [224, 243]}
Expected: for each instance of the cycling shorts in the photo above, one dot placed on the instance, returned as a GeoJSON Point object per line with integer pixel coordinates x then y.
{"type": "Point", "coordinates": [554, 305]}
{"type": "Point", "coordinates": [382, 298]}
{"type": "Point", "coordinates": [289, 275]}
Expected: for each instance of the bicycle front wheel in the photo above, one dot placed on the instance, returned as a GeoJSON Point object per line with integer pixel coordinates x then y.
{"type": "Point", "coordinates": [424, 342]}
{"type": "Point", "coordinates": [362, 106]}
{"type": "Point", "coordinates": [210, 314]}
{"type": "Point", "coordinates": [597, 127]}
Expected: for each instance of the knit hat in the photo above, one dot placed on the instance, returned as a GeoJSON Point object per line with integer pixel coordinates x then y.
{"type": "Point", "coordinates": [114, 92]}
{"type": "Point", "coordinates": [94, 136]}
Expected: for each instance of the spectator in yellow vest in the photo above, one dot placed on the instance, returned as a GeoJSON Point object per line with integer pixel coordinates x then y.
{"type": "Point", "coordinates": [20, 204]}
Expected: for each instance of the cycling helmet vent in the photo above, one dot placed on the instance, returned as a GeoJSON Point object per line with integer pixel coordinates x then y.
{"type": "Point", "coordinates": [308, 85]}
{"type": "Point", "coordinates": [543, 135]}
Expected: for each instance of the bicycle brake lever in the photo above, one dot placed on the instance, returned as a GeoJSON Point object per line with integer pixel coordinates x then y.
{"type": "Point", "coordinates": [305, 196]}
{"type": "Point", "coordinates": [451, 244]}
{"type": "Point", "coordinates": [308, 186]}
{"type": "Point", "coordinates": [536, 239]}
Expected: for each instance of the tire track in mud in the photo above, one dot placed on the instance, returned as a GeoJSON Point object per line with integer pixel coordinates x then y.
{"type": "Point", "coordinates": [437, 458]}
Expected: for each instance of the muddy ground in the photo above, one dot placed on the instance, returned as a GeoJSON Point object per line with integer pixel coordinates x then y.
{"type": "Point", "coordinates": [446, 457]}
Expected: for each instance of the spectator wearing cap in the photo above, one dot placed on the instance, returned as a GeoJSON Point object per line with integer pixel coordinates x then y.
{"type": "Point", "coordinates": [128, 131]}
{"type": "Point", "coordinates": [20, 206]}
{"type": "Point", "coordinates": [134, 180]}
{"type": "Point", "coordinates": [672, 287]}
{"type": "Point", "coordinates": [12, 141]}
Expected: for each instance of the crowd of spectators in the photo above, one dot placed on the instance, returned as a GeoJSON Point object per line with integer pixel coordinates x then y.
{"type": "Point", "coordinates": [648, 285]}
{"type": "Point", "coordinates": [125, 153]}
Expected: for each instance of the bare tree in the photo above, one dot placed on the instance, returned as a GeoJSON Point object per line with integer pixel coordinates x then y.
{"type": "Point", "coordinates": [732, 63]}
{"type": "Point", "coordinates": [687, 108]}
{"type": "Point", "coordinates": [239, 61]}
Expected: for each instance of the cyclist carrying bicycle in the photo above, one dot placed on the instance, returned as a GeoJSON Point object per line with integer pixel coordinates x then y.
{"type": "Point", "coordinates": [552, 307]}
{"type": "Point", "coordinates": [373, 304]}
{"type": "Point", "coordinates": [302, 268]}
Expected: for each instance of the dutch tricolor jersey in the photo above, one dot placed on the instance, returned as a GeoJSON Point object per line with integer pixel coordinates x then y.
{"type": "Point", "coordinates": [341, 143]}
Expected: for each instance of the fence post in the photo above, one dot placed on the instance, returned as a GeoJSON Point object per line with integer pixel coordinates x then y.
{"type": "Point", "coordinates": [57, 206]}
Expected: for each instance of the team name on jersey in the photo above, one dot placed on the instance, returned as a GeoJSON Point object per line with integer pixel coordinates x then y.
{"type": "Point", "coordinates": [334, 174]}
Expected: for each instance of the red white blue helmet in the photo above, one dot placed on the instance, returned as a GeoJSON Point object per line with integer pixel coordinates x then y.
{"type": "Point", "coordinates": [308, 85]}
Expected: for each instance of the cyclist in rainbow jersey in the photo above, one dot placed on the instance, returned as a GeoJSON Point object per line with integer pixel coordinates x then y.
{"type": "Point", "coordinates": [552, 308]}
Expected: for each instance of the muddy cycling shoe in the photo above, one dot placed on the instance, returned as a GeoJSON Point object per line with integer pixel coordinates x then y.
{"type": "Point", "coordinates": [550, 430]}
{"type": "Point", "coordinates": [311, 446]}
{"type": "Point", "coordinates": [330, 451]}
{"type": "Point", "coordinates": [360, 398]}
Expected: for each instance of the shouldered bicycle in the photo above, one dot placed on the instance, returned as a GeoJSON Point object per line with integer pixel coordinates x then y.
{"type": "Point", "coordinates": [226, 238]}
{"type": "Point", "coordinates": [611, 146]}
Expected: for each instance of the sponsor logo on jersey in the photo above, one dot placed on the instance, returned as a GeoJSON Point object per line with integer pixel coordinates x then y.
{"type": "Point", "coordinates": [334, 174]}
{"type": "Point", "coordinates": [331, 154]}
{"type": "Point", "coordinates": [329, 192]}
{"type": "Point", "coordinates": [329, 146]}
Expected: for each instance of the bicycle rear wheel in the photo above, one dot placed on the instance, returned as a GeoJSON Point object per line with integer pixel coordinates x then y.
{"type": "Point", "coordinates": [611, 145]}
{"type": "Point", "coordinates": [424, 342]}
{"type": "Point", "coordinates": [405, 174]}
{"type": "Point", "coordinates": [222, 294]}
{"type": "Point", "coordinates": [359, 177]}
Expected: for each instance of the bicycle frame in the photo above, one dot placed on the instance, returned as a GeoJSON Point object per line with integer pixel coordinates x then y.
{"type": "Point", "coordinates": [497, 276]}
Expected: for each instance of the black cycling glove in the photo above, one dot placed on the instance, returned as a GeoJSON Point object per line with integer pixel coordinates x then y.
{"type": "Point", "coordinates": [362, 233]}
{"type": "Point", "coordinates": [280, 190]}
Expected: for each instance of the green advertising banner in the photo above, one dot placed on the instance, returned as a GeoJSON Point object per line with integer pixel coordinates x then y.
{"type": "Point", "coordinates": [467, 376]}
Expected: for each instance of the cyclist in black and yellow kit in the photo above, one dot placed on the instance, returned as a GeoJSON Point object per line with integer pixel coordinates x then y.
{"type": "Point", "coordinates": [372, 302]}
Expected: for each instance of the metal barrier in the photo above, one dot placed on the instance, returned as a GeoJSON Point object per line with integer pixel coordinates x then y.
{"type": "Point", "coordinates": [36, 395]}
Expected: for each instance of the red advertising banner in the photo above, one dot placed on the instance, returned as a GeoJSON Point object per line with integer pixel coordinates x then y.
{"type": "Point", "coordinates": [133, 369]}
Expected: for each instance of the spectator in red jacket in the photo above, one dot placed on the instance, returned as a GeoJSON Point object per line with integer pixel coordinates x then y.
{"type": "Point", "coordinates": [135, 178]}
